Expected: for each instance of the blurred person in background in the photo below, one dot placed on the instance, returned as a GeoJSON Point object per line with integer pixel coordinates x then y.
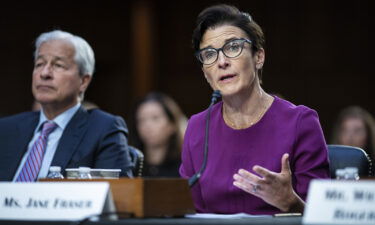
{"type": "Point", "coordinates": [355, 127]}
{"type": "Point", "coordinates": [158, 132]}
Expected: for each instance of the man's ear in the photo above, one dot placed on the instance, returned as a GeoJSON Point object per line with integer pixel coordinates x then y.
{"type": "Point", "coordinates": [85, 81]}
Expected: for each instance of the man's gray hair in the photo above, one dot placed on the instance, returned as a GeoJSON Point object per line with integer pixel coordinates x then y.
{"type": "Point", "coordinates": [84, 55]}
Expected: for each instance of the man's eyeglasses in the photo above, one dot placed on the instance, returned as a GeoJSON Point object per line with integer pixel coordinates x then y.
{"type": "Point", "coordinates": [231, 49]}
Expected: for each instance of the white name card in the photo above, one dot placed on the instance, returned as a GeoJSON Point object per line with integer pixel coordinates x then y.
{"type": "Point", "coordinates": [52, 200]}
{"type": "Point", "coordinates": [340, 202]}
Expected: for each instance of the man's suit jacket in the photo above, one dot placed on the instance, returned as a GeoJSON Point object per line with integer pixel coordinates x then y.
{"type": "Point", "coordinates": [92, 138]}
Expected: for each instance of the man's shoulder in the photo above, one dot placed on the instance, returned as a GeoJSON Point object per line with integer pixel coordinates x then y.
{"type": "Point", "coordinates": [19, 117]}
{"type": "Point", "coordinates": [97, 117]}
{"type": "Point", "coordinates": [97, 114]}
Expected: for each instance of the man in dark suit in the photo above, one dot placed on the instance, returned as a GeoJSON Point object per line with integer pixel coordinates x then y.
{"type": "Point", "coordinates": [63, 69]}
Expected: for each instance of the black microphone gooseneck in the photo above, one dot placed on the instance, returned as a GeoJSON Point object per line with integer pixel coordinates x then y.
{"type": "Point", "coordinates": [215, 96]}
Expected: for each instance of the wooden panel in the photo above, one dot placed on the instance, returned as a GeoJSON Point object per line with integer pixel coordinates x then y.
{"type": "Point", "coordinates": [142, 197]}
{"type": "Point", "coordinates": [167, 197]}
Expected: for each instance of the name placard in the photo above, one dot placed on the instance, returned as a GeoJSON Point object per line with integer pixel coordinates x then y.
{"type": "Point", "coordinates": [52, 200]}
{"type": "Point", "coordinates": [340, 202]}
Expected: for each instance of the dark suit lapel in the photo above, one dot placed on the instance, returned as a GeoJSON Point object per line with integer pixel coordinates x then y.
{"type": "Point", "coordinates": [16, 139]}
{"type": "Point", "coordinates": [71, 137]}
{"type": "Point", "coordinates": [26, 131]}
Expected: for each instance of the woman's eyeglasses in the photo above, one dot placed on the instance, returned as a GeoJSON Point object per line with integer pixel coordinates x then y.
{"type": "Point", "coordinates": [231, 49]}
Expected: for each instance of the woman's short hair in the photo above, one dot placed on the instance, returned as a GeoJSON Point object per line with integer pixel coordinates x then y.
{"type": "Point", "coordinates": [84, 55]}
{"type": "Point", "coordinates": [222, 14]}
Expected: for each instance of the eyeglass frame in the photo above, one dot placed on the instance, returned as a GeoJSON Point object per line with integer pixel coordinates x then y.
{"type": "Point", "coordinates": [245, 40]}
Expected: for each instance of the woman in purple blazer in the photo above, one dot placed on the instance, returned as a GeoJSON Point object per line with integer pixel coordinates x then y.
{"type": "Point", "coordinates": [263, 150]}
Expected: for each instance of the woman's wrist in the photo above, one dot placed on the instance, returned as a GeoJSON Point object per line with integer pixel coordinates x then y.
{"type": "Point", "coordinates": [295, 205]}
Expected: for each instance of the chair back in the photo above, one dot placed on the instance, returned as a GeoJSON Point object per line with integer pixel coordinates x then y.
{"type": "Point", "coordinates": [137, 158]}
{"type": "Point", "coordinates": [341, 156]}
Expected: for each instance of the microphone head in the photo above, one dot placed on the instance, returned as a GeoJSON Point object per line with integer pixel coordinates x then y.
{"type": "Point", "coordinates": [216, 93]}
{"type": "Point", "coordinates": [215, 96]}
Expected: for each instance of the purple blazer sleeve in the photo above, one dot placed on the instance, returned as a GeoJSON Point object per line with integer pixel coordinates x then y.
{"type": "Point", "coordinates": [310, 155]}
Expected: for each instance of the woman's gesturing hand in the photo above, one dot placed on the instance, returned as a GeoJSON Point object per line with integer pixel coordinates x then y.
{"type": "Point", "coordinates": [274, 188]}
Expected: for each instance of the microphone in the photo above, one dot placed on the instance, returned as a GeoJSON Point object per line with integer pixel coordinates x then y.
{"type": "Point", "coordinates": [192, 180]}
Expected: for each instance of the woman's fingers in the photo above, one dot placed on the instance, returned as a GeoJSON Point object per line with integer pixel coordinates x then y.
{"type": "Point", "coordinates": [274, 188]}
{"type": "Point", "coordinates": [250, 188]}
{"type": "Point", "coordinates": [285, 167]}
{"type": "Point", "coordinates": [247, 181]}
{"type": "Point", "coordinates": [249, 176]}
{"type": "Point", "coordinates": [265, 173]}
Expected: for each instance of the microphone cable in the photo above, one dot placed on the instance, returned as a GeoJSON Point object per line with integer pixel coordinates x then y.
{"type": "Point", "coordinates": [192, 180]}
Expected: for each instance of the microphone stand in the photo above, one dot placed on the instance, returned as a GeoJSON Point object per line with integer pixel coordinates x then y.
{"type": "Point", "coordinates": [215, 96]}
